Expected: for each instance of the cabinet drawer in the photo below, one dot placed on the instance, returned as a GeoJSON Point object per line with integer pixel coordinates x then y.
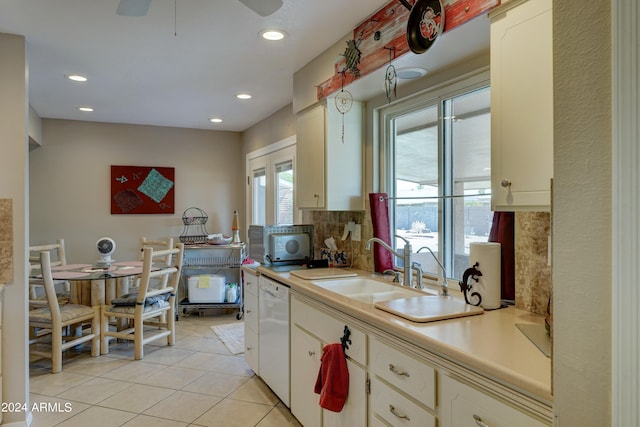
{"type": "Point", "coordinates": [329, 329]}
{"type": "Point", "coordinates": [397, 410]}
{"type": "Point", "coordinates": [251, 312]}
{"type": "Point", "coordinates": [250, 282]}
{"type": "Point", "coordinates": [408, 374]}
{"type": "Point", "coordinates": [463, 405]}
{"type": "Point", "coordinates": [251, 355]}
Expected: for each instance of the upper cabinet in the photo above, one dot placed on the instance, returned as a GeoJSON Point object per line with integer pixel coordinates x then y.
{"type": "Point", "coordinates": [329, 157]}
{"type": "Point", "coordinates": [521, 105]}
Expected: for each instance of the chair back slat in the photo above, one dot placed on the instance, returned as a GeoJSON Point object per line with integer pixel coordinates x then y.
{"type": "Point", "coordinates": [49, 287]}
{"type": "Point", "coordinates": [169, 275]}
{"type": "Point", "coordinates": [57, 252]}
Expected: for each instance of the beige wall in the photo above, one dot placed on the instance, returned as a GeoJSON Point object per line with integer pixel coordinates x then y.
{"type": "Point", "coordinates": [278, 126]}
{"type": "Point", "coordinates": [582, 213]}
{"type": "Point", "coordinates": [70, 175]}
{"type": "Point", "coordinates": [13, 185]}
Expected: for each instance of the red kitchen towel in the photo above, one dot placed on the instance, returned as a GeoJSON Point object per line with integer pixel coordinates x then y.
{"type": "Point", "coordinates": [379, 204]}
{"type": "Point", "coordinates": [333, 378]}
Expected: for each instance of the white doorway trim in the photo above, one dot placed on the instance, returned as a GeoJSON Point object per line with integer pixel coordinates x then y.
{"type": "Point", "coordinates": [626, 214]}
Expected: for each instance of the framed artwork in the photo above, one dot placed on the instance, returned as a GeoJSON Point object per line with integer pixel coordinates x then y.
{"type": "Point", "coordinates": [142, 190]}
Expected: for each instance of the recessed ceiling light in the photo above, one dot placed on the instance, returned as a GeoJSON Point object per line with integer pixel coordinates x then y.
{"type": "Point", "coordinates": [408, 73]}
{"type": "Point", "coordinates": [215, 120]}
{"type": "Point", "coordinates": [243, 96]}
{"type": "Point", "coordinates": [272, 35]}
{"type": "Point", "coordinates": [86, 109]}
{"type": "Point", "coordinates": [76, 77]}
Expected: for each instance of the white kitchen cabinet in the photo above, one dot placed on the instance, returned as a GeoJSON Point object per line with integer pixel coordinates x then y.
{"type": "Point", "coordinates": [329, 151]}
{"type": "Point", "coordinates": [521, 105]}
{"type": "Point", "coordinates": [463, 405]}
{"type": "Point", "coordinates": [306, 351]}
{"type": "Point", "coordinates": [403, 388]}
{"type": "Point", "coordinates": [251, 330]}
{"type": "Point", "coordinates": [311, 330]}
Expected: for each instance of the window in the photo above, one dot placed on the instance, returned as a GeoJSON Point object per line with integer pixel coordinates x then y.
{"type": "Point", "coordinates": [438, 174]}
{"type": "Point", "coordinates": [270, 199]}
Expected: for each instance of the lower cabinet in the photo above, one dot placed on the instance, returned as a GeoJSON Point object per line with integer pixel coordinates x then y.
{"type": "Point", "coordinates": [463, 405]}
{"type": "Point", "coordinates": [311, 330]}
{"type": "Point", "coordinates": [306, 351]}
{"type": "Point", "coordinates": [251, 343]}
{"type": "Point", "coordinates": [393, 383]}
{"type": "Point", "coordinates": [403, 388]}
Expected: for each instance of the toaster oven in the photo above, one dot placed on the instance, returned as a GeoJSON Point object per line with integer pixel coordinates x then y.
{"type": "Point", "coordinates": [281, 244]}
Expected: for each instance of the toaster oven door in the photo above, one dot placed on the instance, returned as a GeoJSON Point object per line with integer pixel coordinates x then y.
{"type": "Point", "coordinates": [289, 247]}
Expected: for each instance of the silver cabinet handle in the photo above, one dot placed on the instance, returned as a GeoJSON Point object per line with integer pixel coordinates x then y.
{"type": "Point", "coordinates": [393, 369]}
{"type": "Point", "coordinates": [249, 348]}
{"type": "Point", "coordinates": [505, 183]}
{"type": "Point", "coordinates": [479, 422]}
{"type": "Point", "coordinates": [393, 410]}
{"type": "Point", "coordinates": [248, 311]}
{"type": "Point", "coordinates": [311, 353]}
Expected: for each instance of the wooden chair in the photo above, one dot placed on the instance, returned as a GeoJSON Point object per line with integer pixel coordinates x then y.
{"type": "Point", "coordinates": [156, 245]}
{"type": "Point", "coordinates": [153, 308]}
{"type": "Point", "coordinates": [60, 319]}
{"type": "Point", "coordinates": [58, 257]}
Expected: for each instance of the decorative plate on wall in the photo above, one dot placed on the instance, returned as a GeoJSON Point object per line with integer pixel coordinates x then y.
{"type": "Point", "coordinates": [425, 24]}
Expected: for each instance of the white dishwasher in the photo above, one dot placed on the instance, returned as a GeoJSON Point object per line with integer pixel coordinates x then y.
{"type": "Point", "coordinates": [273, 315]}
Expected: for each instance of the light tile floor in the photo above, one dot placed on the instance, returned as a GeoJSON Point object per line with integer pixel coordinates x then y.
{"type": "Point", "coordinates": [197, 382]}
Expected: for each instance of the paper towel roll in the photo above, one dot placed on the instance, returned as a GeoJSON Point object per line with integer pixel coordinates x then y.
{"type": "Point", "coordinates": [487, 255]}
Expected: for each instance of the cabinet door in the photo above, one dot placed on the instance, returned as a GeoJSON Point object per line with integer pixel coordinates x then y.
{"type": "Point", "coordinates": [310, 152]}
{"type": "Point", "coordinates": [305, 364]}
{"type": "Point", "coordinates": [354, 412]}
{"type": "Point", "coordinates": [522, 106]}
{"type": "Point", "coordinates": [463, 406]}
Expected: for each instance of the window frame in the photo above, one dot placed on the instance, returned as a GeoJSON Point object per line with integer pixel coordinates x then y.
{"type": "Point", "coordinates": [432, 97]}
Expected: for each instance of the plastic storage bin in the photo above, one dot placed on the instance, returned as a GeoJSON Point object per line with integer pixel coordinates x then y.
{"type": "Point", "coordinates": [206, 288]}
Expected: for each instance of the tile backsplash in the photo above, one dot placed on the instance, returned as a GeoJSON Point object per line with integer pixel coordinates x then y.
{"type": "Point", "coordinates": [6, 241]}
{"type": "Point", "coordinates": [533, 275]}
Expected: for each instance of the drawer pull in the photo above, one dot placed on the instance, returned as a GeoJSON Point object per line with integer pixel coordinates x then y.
{"type": "Point", "coordinates": [479, 422]}
{"type": "Point", "coordinates": [393, 410]}
{"type": "Point", "coordinates": [249, 348]}
{"type": "Point", "coordinates": [248, 311]}
{"type": "Point", "coordinates": [393, 369]}
{"type": "Point", "coordinates": [311, 353]}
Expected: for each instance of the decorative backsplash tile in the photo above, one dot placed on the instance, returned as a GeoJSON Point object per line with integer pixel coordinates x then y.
{"type": "Point", "coordinates": [6, 241]}
{"type": "Point", "coordinates": [533, 275]}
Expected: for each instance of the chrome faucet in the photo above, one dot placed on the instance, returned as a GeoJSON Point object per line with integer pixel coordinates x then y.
{"type": "Point", "coordinates": [417, 267]}
{"type": "Point", "coordinates": [444, 288]}
{"type": "Point", "coordinates": [406, 256]}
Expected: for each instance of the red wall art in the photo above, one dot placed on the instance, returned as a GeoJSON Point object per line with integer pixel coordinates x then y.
{"type": "Point", "coordinates": [142, 190]}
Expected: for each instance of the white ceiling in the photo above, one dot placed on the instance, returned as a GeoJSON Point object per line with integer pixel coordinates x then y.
{"type": "Point", "coordinates": [187, 59]}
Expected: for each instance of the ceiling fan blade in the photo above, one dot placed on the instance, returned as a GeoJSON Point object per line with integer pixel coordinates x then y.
{"type": "Point", "coordinates": [133, 7]}
{"type": "Point", "coordinates": [263, 7]}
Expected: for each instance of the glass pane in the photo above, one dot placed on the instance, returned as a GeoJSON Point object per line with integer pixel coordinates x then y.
{"type": "Point", "coordinates": [416, 180]}
{"type": "Point", "coordinates": [258, 198]}
{"type": "Point", "coordinates": [468, 130]}
{"type": "Point", "coordinates": [284, 193]}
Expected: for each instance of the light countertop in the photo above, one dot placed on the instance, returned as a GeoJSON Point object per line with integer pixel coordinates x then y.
{"type": "Point", "coordinates": [489, 343]}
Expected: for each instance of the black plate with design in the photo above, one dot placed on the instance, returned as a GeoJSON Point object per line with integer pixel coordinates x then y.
{"type": "Point", "coordinates": [425, 24]}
